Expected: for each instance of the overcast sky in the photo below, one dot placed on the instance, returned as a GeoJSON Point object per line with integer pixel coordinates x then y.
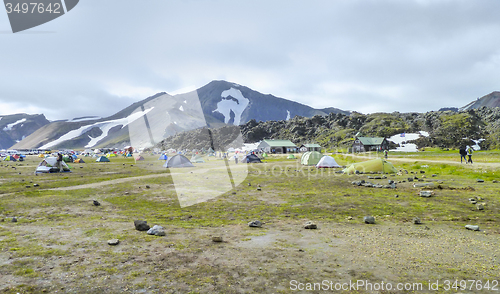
{"type": "Point", "coordinates": [368, 56]}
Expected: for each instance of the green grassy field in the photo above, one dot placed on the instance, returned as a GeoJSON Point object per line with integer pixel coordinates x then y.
{"type": "Point", "coordinates": [59, 240]}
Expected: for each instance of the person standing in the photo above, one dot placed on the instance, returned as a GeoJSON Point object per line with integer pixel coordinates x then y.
{"type": "Point", "coordinates": [59, 162]}
{"type": "Point", "coordinates": [386, 153]}
{"type": "Point", "coordinates": [469, 154]}
{"type": "Point", "coordinates": [463, 153]}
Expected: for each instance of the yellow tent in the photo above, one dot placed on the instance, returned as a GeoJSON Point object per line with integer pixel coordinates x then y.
{"type": "Point", "coordinates": [374, 165]}
{"type": "Point", "coordinates": [41, 155]}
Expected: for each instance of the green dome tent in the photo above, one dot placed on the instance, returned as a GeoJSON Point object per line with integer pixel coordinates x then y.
{"type": "Point", "coordinates": [311, 158]}
{"type": "Point", "coordinates": [291, 156]}
{"type": "Point", "coordinates": [197, 159]}
{"type": "Point", "coordinates": [102, 159]}
{"type": "Point", "coordinates": [264, 155]}
{"type": "Point", "coordinates": [374, 165]}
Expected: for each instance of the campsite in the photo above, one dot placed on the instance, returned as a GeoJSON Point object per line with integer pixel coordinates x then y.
{"type": "Point", "coordinates": [59, 241]}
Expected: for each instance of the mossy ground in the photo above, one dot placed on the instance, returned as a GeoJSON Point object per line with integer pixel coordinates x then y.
{"type": "Point", "coordinates": [60, 239]}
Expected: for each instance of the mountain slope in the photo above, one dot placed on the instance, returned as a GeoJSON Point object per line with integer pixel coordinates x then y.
{"type": "Point", "coordinates": [15, 127]}
{"type": "Point", "coordinates": [149, 121]}
{"type": "Point", "coordinates": [490, 100]}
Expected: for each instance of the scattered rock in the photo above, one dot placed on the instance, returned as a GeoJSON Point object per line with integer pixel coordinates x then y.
{"type": "Point", "coordinates": [472, 200]}
{"type": "Point", "coordinates": [255, 224]}
{"type": "Point", "coordinates": [479, 206]}
{"type": "Point", "coordinates": [141, 225]}
{"type": "Point", "coordinates": [369, 220]}
{"type": "Point", "coordinates": [426, 193]}
{"type": "Point", "coordinates": [14, 220]}
{"type": "Point", "coordinates": [148, 187]}
{"type": "Point", "coordinates": [96, 203]}
{"type": "Point", "coordinates": [217, 239]}
{"type": "Point", "coordinates": [434, 175]}
{"type": "Point", "coordinates": [113, 242]}
{"type": "Point", "coordinates": [249, 184]}
{"type": "Point", "coordinates": [495, 181]}
{"type": "Point", "coordinates": [36, 185]}
{"type": "Point", "coordinates": [259, 189]}
{"type": "Point", "coordinates": [422, 171]}
{"type": "Point", "coordinates": [28, 186]}
{"type": "Point", "coordinates": [419, 185]}
{"type": "Point", "coordinates": [480, 181]}
{"type": "Point", "coordinates": [310, 225]}
{"type": "Point", "coordinates": [410, 179]}
{"type": "Point", "coordinates": [417, 221]}
{"type": "Point", "coordinates": [349, 218]}
{"type": "Point", "coordinates": [156, 230]}
{"type": "Point", "coordinates": [472, 227]}
{"type": "Point", "coordinates": [396, 196]}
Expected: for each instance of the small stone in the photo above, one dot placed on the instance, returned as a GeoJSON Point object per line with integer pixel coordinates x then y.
{"type": "Point", "coordinates": [434, 175]}
{"type": "Point", "coordinates": [472, 227]}
{"type": "Point", "coordinates": [410, 179]}
{"type": "Point", "coordinates": [156, 230]}
{"type": "Point", "coordinates": [422, 171]}
{"type": "Point", "coordinates": [217, 239]}
{"type": "Point", "coordinates": [259, 189]}
{"type": "Point", "coordinates": [96, 203]}
{"type": "Point", "coordinates": [396, 196]}
{"type": "Point", "coordinates": [141, 225]}
{"type": "Point", "coordinates": [479, 206]}
{"type": "Point", "coordinates": [148, 187]}
{"type": "Point", "coordinates": [349, 218]}
{"type": "Point", "coordinates": [472, 200]}
{"type": "Point", "coordinates": [14, 220]}
{"type": "Point", "coordinates": [28, 186]}
{"type": "Point", "coordinates": [255, 224]}
{"type": "Point", "coordinates": [36, 185]}
{"type": "Point", "coordinates": [369, 220]}
{"type": "Point", "coordinates": [113, 242]}
{"type": "Point", "coordinates": [480, 181]}
{"type": "Point", "coordinates": [249, 184]}
{"type": "Point", "coordinates": [234, 193]}
{"type": "Point", "coordinates": [495, 181]}
{"type": "Point", "coordinates": [417, 221]}
{"type": "Point", "coordinates": [310, 225]}
{"type": "Point", "coordinates": [426, 193]}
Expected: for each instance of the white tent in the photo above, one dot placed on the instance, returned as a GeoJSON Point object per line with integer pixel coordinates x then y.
{"type": "Point", "coordinates": [178, 161]}
{"type": "Point", "coordinates": [49, 165]}
{"type": "Point", "coordinates": [327, 161]}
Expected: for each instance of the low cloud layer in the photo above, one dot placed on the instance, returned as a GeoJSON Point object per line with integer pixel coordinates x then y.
{"type": "Point", "coordinates": [367, 56]}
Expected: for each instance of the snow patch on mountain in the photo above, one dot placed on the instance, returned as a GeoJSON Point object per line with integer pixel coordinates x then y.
{"type": "Point", "coordinates": [85, 119]}
{"type": "Point", "coordinates": [226, 105]}
{"type": "Point", "coordinates": [10, 126]}
{"type": "Point", "coordinates": [181, 108]}
{"type": "Point", "coordinates": [105, 126]}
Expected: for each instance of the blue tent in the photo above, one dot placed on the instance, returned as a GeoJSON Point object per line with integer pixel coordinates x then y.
{"type": "Point", "coordinates": [163, 157]}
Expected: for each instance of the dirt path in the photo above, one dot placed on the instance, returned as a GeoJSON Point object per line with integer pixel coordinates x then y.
{"type": "Point", "coordinates": [405, 159]}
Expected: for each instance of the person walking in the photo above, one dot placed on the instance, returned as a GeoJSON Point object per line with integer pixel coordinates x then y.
{"type": "Point", "coordinates": [463, 154]}
{"type": "Point", "coordinates": [386, 153]}
{"type": "Point", "coordinates": [469, 154]}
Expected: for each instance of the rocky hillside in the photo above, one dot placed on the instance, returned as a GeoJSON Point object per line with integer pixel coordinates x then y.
{"type": "Point", "coordinates": [15, 127]}
{"type": "Point", "coordinates": [446, 129]}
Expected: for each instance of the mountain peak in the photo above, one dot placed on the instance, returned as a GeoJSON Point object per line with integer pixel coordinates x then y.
{"type": "Point", "coordinates": [490, 100]}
